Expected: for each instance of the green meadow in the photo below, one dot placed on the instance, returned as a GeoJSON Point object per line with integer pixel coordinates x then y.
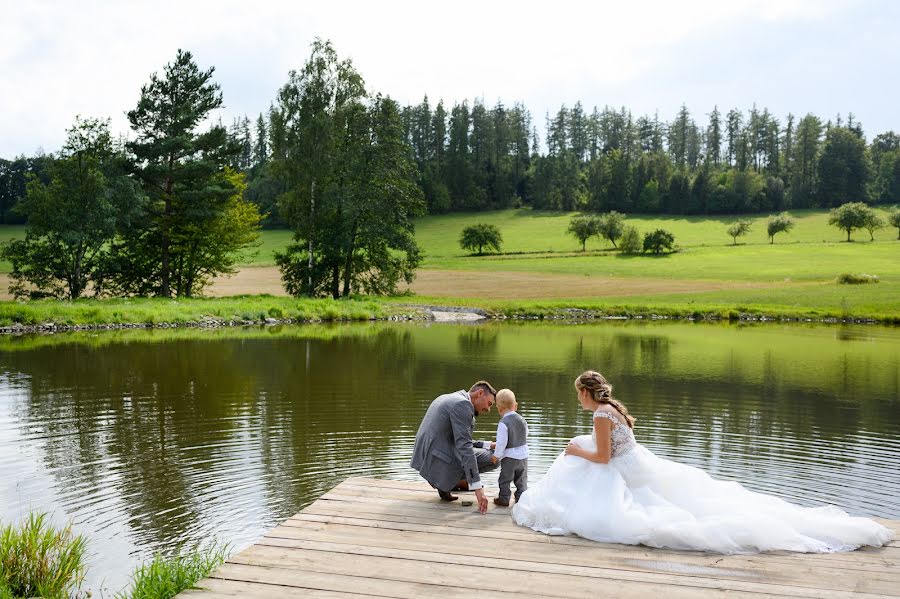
{"type": "Point", "coordinates": [794, 277]}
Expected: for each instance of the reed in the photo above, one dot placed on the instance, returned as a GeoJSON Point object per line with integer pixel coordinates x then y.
{"type": "Point", "coordinates": [38, 559]}
{"type": "Point", "coordinates": [164, 577]}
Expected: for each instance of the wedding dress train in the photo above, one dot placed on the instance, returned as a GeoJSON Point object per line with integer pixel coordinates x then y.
{"type": "Point", "coordinates": [639, 498]}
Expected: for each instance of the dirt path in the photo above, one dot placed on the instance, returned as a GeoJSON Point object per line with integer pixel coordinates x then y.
{"type": "Point", "coordinates": [499, 285]}
{"type": "Point", "coordinates": [482, 284]}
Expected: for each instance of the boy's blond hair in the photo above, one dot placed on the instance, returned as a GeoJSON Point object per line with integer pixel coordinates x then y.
{"type": "Point", "coordinates": [506, 399]}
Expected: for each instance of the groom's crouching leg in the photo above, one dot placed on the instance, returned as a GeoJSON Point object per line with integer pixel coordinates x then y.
{"type": "Point", "coordinates": [483, 457]}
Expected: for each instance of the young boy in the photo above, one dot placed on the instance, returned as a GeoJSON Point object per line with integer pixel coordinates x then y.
{"type": "Point", "coordinates": [511, 449]}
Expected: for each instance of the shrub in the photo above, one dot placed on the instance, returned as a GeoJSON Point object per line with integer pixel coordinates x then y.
{"type": "Point", "coordinates": [631, 241]}
{"type": "Point", "coordinates": [778, 224]}
{"type": "Point", "coordinates": [739, 228]}
{"type": "Point", "coordinates": [164, 577]}
{"type": "Point", "coordinates": [854, 279]}
{"type": "Point", "coordinates": [39, 560]}
{"type": "Point", "coordinates": [659, 240]}
{"type": "Point", "coordinates": [476, 238]}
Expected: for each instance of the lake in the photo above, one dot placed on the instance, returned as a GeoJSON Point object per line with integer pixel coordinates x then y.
{"type": "Point", "coordinates": [148, 440]}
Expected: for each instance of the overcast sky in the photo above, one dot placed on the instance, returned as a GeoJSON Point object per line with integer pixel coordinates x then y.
{"type": "Point", "coordinates": [60, 59]}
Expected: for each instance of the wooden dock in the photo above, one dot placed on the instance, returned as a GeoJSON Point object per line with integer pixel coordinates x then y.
{"type": "Point", "coordinates": [384, 538]}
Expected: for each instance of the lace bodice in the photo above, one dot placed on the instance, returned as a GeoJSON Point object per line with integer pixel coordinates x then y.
{"type": "Point", "coordinates": [622, 435]}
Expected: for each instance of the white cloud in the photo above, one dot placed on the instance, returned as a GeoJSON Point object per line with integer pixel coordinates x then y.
{"type": "Point", "coordinates": [59, 59]}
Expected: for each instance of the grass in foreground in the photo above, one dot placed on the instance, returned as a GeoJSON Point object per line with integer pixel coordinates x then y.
{"type": "Point", "coordinates": [164, 577]}
{"type": "Point", "coordinates": [40, 560]}
{"type": "Point", "coordinates": [154, 311]}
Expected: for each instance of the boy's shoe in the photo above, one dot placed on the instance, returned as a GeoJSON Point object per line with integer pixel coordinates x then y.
{"type": "Point", "coordinates": [500, 501]}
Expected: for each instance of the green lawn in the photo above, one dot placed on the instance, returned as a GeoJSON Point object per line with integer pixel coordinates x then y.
{"type": "Point", "coordinates": [796, 274]}
{"type": "Point", "coordinates": [531, 231]}
{"type": "Point", "coordinates": [528, 231]}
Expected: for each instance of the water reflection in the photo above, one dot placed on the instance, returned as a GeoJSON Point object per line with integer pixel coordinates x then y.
{"type": "Point", "coordinates": [149, 440]}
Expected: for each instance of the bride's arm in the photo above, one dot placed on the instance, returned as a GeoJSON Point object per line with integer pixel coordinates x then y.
{"type": "Point", "coordinates": [603, 433]}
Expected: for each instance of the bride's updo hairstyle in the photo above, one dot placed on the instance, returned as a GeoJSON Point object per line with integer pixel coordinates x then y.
{"type": "Point", "coordinates": [601, 392]}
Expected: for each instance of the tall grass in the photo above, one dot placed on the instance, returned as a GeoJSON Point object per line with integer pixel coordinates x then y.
{"type": "Point", "coordinates": [40, 560]}
{"type": "Point", "coordinates": [165, 577]}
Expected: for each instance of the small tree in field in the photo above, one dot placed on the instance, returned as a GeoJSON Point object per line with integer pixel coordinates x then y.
{"type": "Point", "coordinates": [739, 228]}
{"type": "Point", "coordinates": [659, 240]}
{"type": "Point", "coordinates": [631, 241]}
{"type": "Point", "coordinates": [582, 228]}
{"type": "Point", "coordinates": [780, 223]}
{"type": "Point", "coordinates": [611, 226]}
{"type": "Point", "coordinates": [476, 238]}
{"type": "Point", "coordinates": [873, 223]}
{"type": "Point", "coordinates": [852, 215]}
{"type": "Point", "coordinates": [894, 219]}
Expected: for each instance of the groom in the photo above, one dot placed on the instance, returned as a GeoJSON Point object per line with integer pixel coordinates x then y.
{"type": "Point", "coordinates": [444, 453]}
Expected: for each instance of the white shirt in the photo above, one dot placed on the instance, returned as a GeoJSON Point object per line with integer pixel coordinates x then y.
{"type": "Point", "coordinates": [501, 451]}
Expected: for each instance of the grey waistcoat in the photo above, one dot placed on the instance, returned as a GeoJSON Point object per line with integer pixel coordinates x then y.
{"type": "Point", "coordinates": [518, 430]}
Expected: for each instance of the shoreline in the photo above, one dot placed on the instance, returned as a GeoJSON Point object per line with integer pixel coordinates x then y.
{"type": "Point", "coordinates": [53, 316]}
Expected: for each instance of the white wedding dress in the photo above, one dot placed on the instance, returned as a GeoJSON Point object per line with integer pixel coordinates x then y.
{"type": "Point", "coordinates": [639, 498]}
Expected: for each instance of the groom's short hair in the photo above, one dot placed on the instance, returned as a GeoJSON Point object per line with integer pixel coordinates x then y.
{"type": "Point", "coordinates": [484, 386]}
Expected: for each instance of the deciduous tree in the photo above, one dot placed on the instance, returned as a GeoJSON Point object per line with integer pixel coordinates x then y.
{"type": "Point", "coordinates": [780, 223]}
{"type": "Point", "coordinates": [739, 228]}
{"type": "Point", "coordinates": [476, 238]}
{"type": "Point", "coordinates": [850, 216]}
{"type": "Point", "coordinates": [73, 217]}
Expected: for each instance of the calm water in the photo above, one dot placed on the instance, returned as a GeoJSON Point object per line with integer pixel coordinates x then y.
{"type": "Point", "coordinates": [150, 440]}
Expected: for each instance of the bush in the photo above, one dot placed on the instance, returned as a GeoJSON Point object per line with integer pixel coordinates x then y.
{"type": "Point", "coordinates": [38, 560]}
{"type": "Point", "coordinates": [659, 240]}
{"type": "Point", "coordinates": [631, 241]}
{"type": "Point", "coordinates": [163, 577]}
{"type": "Point", "coordinates": [853, 279]}
{"type": "Point", "coordinates": [476, 238]}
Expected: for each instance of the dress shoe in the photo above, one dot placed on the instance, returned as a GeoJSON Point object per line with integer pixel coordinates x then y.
{"type": "Point", "coordinates": [501, 502]}
{"type": "Point", "coordinates": [446, 496]}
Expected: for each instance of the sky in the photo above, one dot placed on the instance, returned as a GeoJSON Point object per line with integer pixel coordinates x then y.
{"type": "Point", "coordinates": [90, 58]}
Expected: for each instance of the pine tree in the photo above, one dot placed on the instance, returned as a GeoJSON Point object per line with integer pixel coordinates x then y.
{"type": "Point", "coordinates": [181, 169]}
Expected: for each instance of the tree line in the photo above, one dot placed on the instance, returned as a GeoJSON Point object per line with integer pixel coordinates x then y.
{"type": "Point", "coordinates": [472, 158]}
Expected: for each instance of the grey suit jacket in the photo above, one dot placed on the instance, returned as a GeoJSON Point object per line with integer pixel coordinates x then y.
{"type": "Point", "coordinates": [443, 452]}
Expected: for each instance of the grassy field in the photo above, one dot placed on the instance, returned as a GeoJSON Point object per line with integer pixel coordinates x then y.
{"type": "Point", "coordinates": [542, 270]}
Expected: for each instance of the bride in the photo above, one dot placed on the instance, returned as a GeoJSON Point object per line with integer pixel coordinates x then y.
{"type": "Point", "coordinates": [607, 487]}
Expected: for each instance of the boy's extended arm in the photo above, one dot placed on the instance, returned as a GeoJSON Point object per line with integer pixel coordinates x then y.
{"type": "Point", "coordinates": [502, 439]}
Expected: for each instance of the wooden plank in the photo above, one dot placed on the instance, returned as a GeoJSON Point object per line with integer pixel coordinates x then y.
{"type": "Point", "coordinates": [425, 500]}
{"type": "Point", "coordinates": [314, 582]}
{"type": "Point", "coordinates": [467, 518]}
{"type": "Point", "coordinates": [218, 588]}
{"type": "Point", "coordinates": [527, 535]}
{"type": "Point", "coordinates": [491, 578]}
{"type": "Point", "coordinates": [646, 558]}
{"type": "Point", "coordinates": [796, 583]}
{"type": "Point", "coordinates": [377, 537]}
